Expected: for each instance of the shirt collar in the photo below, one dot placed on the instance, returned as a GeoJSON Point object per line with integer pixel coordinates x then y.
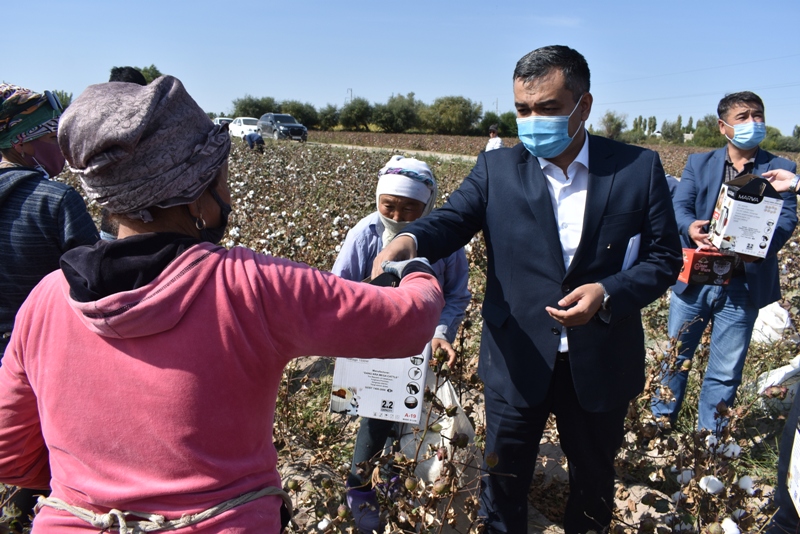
{"type": "Point", "coordinates": [751, 160]}
{"type": "Point", "coordinates": [582, 157]}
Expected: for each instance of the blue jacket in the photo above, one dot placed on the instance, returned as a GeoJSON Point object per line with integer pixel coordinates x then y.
{"type": "Point", "coordinates": [696, 196]}
{"type": "Point", "coordinates": [39, 220]}
{"type": "Point", "coordinates": [362, 245]}
{"type": "Point", "coordinates": [506, 197]}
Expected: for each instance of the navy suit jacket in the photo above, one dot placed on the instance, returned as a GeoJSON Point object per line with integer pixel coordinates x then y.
{"type": "Point", "coordinates": [696, 196]}
{"type": "Point", "coordinates": [506, 196]}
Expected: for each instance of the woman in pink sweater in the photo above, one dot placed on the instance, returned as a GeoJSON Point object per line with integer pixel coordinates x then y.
{"type": "Point", "coordinates": [141, 379]}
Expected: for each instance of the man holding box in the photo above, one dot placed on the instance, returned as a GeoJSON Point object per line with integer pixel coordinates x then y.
{"type": "Point", "coordinates": [754, 284]}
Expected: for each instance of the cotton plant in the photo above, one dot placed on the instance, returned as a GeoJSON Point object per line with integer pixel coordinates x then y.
{"type": "Point", "coordinates": [702, 483]}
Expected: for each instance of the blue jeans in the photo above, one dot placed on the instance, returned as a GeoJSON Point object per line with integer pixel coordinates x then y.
{"type": "Point", "coordinates": [372, 438]}
{"type": "Point", "coordinates": [733, 315]}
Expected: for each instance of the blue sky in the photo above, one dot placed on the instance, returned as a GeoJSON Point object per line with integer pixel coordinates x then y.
{"type": "Point", "coordinates": [647, 58]}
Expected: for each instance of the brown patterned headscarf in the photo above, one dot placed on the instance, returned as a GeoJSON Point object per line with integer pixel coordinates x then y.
{"type": "Point", "coordinates": [137, 147]}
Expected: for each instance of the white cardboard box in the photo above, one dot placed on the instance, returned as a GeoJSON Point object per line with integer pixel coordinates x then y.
{"type": "Point", "coordinates": [745, 216]}
{"type": "Point", "coordinates": [381, 389]}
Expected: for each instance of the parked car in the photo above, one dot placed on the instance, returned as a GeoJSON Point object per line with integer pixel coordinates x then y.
{"type": "Point", "coordinates": [223, 120]}
{"type": "Point", "coordinates": [242, 126]}
{"type": "Point", "coordinates": [281, 126]}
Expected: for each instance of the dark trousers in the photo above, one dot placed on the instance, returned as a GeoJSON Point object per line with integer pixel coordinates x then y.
{"type": "Point", "coordinates": [370, 440]}
{"type": "Point", "coordinates": [785, 519]}
{"type": "Point", "coordinates": [589, 441]}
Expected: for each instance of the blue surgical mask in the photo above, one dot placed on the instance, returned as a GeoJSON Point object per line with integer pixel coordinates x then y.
{"type": "Point", "coordinates": [546, 137]}
{"type": "Point", "coordinates": [747, 135]}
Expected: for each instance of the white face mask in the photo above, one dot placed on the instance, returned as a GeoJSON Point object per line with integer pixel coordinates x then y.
{"type": "Point", "coordinates": [391, 228]}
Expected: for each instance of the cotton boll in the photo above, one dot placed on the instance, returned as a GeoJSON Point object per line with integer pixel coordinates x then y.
{"type": "Point", "coordinates": [731, 450]}
{"type": "Point", "coordinates": [677, 496]}
{"type": "Point", "coordinates": [746, 483]}
{"type": "Point", "coordinates": [322, 525]}
{"type": "Point", "coordinates": [685, 476]}
{"type": "Point", "coordinates": [730, 527]}
{"type": "Point", "coordinates": [711, 442]}
{"type": "Point", "coordinates": [711, 484]}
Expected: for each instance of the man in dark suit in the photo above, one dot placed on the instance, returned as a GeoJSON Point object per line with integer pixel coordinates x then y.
{"type": "Point", "coordinates": [755, 283]}
{"type": "Point", "coordinates": [580, 235]}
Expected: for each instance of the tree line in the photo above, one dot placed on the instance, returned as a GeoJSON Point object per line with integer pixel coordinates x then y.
{"type": "Point", "coordinates": [449, 115]}
{"type": "Point", "coordinates": [456, 115]}
{"type": "Point", "coordinates": [704, 133]}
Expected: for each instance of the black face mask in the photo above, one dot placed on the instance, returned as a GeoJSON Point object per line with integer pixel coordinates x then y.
{"type": "Point", "coordinates": [215, 235]}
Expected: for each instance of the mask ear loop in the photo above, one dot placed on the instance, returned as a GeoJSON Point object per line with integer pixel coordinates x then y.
{"type": "Point", "coordinates": [41, 168]}
{"type": "Point", "coordinates": [583, 122]}
{"type": "Point", "coordinates": [732, 128]}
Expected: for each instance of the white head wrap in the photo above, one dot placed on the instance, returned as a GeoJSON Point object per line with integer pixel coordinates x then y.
{"type": "Point", "coordinates": [405, 177]}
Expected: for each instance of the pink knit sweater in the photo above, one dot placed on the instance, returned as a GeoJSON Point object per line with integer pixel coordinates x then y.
{"type": "Point", "coordinates": [162, 399]}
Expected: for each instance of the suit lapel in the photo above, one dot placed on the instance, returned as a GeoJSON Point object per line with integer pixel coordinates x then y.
{"type": "Point", "coordinates": [534, 186]}
{"type": "Point", "coordinates": [716, 166]}
{"type": "Point", "coordinates": [762, 163]}
{"type": "Point", "coordinates": [601, 177]}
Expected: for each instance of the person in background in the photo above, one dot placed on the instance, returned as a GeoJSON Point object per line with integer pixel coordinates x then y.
{"type": "Point", "coordinates": [494, 139]}
{"type": "Point", "coordinates": [128, 75]}
{"type": "Point", "coordinates": [141, 380]}
{"type": "Point", "coordinates": [406, 191]}
{"type": "Point", "coordinates": [40, 219]}
{"type": "Point", "coordinates": [785, 520]}
{"type": "Point", "coordinates": [108, 227]}
{"type": "Point", "coordinates": [562, 332]}
{"type": "Point", "coordinates": [254, 141]}
{"type": "Point", "coordinates": [732, 308]}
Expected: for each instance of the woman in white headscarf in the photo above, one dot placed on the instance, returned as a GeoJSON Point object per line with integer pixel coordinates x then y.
{"type": "Point", "coordinates": [406, 191]}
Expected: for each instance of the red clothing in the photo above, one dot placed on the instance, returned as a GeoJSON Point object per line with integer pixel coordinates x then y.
{"type": "Point", "coordinates": [162, 399]}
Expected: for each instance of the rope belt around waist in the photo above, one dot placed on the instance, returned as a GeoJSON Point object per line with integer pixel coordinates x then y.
{"type": "Point", "coordinates": [115, 519]}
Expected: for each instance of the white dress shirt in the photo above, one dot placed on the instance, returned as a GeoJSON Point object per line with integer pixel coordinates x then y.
{"type": "Point", "coordinates": [568, 195]}
{"type": "Point", "coordinates": [494, 143]}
